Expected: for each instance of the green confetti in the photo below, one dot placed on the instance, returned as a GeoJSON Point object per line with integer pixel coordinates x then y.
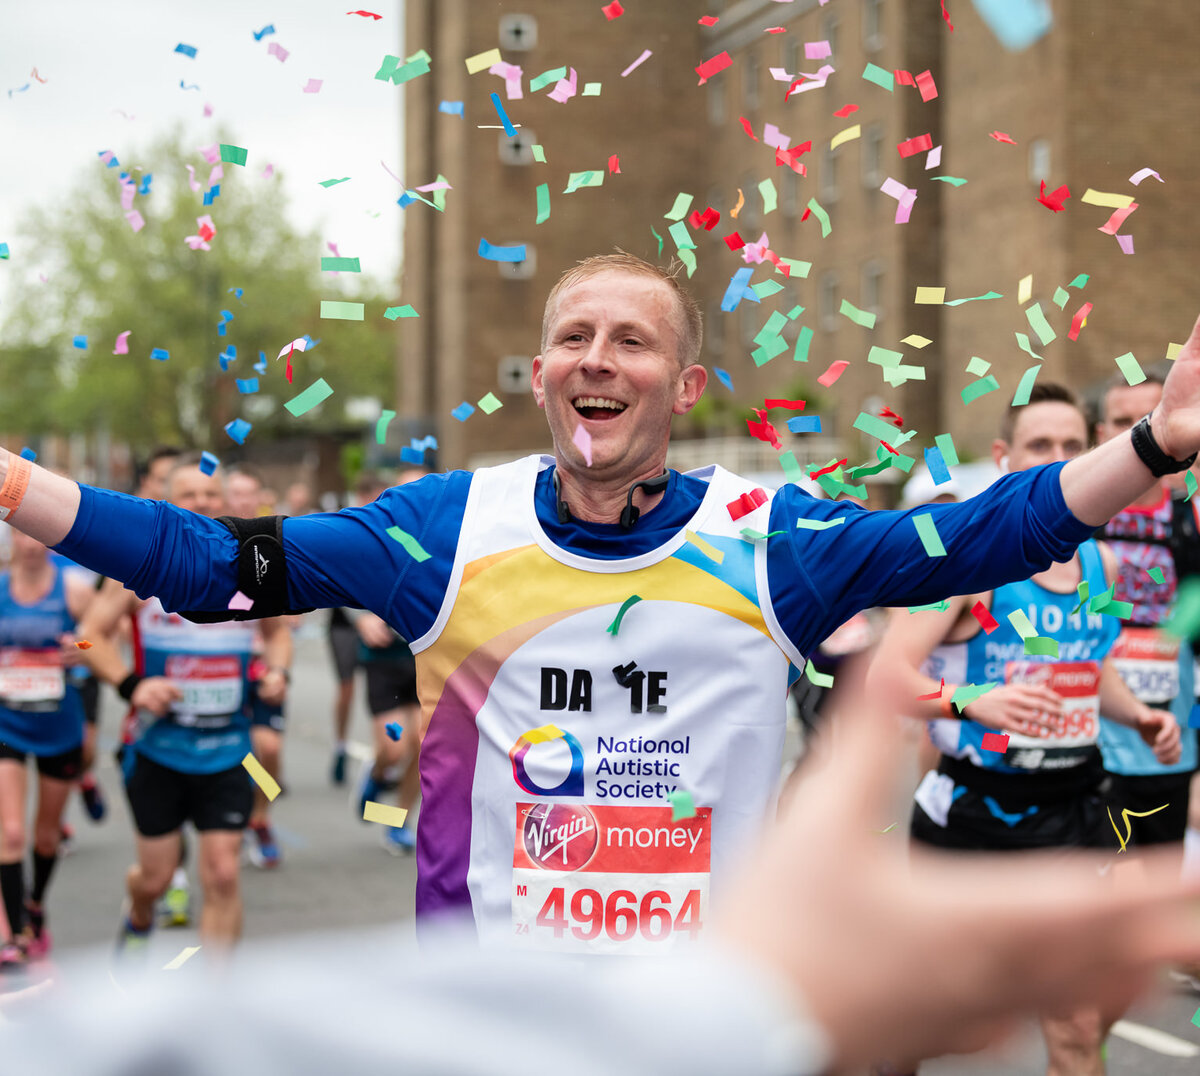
{"type": "Point", "coordinates": [659, 238]}
{"type": "Point", "coordinates": [680, 235]}
{"type": "Point", "coordinates": [977, 367]}
{"type": "Point", "coordinates": [546, 77]}
{"type": "Point", "coordinates": [979, 388]}
{"type": "Point", "coordinates": [822, 216]}
{"type": "Point", "coordinates": [882, 356]}
{"type": "Point", "coordinates": [233, 154]}
{"type": "Point", "coordinates": [1020, 622]}
{"type": "Point", "coordinates": [927, 532]}
{"type": "Point", "coordinates": [966, 694]}
{"type": "Point", "coordinates": [974, 298]}
{"type": "Point", "coordinates": [381, 425]}
{"type": "Point", "coordinates": [803, 340]}
{"type": "Point", "coordinates": [1196, 1018]}
{"type": "Point", "coordinates": [682, 804]}
{"type": "Point", "coordinates": [767, 189]}
{"type": "Point", "coordinates": [792, 470]}
{"type": "Point", "coordinates": [1189, 480]}
{"type": "Point", "coordinates": [1082, 590]}
{"type": "Point", "coordinates": [954, 181]}
{"type": "Point", "coordinates": [1024, 345]}
{"type": "Point", "coordinates": [880, 77]}
{"type": "Point", "coordinates": [1131, 368]}
{"type": "Point", "coordinates": [543, 203]}
{"type": "Point", "coordinates": [860, 317]}
{"type": "Point", "coordinates": [1025, 387]}
{"type": "Point", "coordinates": [683, 202]}
{"type": "Point", "coordinates": [764, 353]}
{"type": "Point", "coordinates": [1080, 281]}
{"type": "Point", "coordinates": [749, 534]}
{"type": "Point", "coordinates": [340, 311]}
{"type": "Point", "coordinates": [1185, 620]}
{"type": "Point", "coordinates": [775, 324]}
{"type": "Point", "coordinates": [933, 607]}
{"type": "Point", "coordinates": [764, 289]}
{"type": "Point", "coordinates": [816, 676]}
{"type": "Point", "coordinates": [794, 267]}
{"type": "Point", "coordinates": [340, 265]}
{"type": "Point", "coordinates": [1041, 646]}
{"type": "Point", "coordinates": [490, 403]}
{"type": "Point", "coordinates": [945, 444]}
{"type": "Point", "coordinates": [900, 375]}
{"type": "Point", "coordinates": [1061, 295]}
{"type": "Point", "coordinates": [626, 605]}
{"type": "Point", "coordinates": [1038, 323]}
{"type": "Point", "coordinates": [576, 180]}
{"type": "Point", "coordinates": [305, 401]}
{"type": "Point", "coordinates": [411, 545]}
{"type": "Point", "coordinates": [591, 89]}
{"type": "Point", "coordinates": [394, 312]}
{"type": "Point", "coordinates": [334, 182]}
{"type": "Point", "coordinates": [881, 832]}
{"type": "Point", "coordinates": [874, 426]}
{"type": "Point", "coordinates": [1156, 574]}
{"type": "Point", "coordinates": [819, 524]}
{"type": "Point", "coordinates": [415, 66]}
{"type": "Point", "coordinates": [539, 152]}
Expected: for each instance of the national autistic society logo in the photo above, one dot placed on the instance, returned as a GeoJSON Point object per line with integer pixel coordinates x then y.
{"type": "Point", "coordinates": [571, 785]}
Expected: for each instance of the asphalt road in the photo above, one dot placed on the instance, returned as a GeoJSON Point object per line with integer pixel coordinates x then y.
{"type": "Point", "coordinates": [336, 875]}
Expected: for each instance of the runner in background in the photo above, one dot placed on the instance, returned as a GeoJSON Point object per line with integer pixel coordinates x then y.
{"type": "Point", "coordinates": [41, 714]}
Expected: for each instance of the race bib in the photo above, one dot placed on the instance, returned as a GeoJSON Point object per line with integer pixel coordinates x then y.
{"type": "Point", "coordinates": [31, 676]}
{"type": "Point", "coordinates": [1148, 661]}
{"type": "Point", "coordinates": [211, 684]}
{"type": "Point", "coordinates": [1077, 683]}
{"type": "Point", "coordinates": [608, 879]}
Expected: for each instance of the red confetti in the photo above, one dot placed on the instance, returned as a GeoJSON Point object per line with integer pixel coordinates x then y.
{"type": "Point", "coordinates": [995, 741]}
{"type": "Point", "coordinates": [746, 503]}
{"type": "Point", "coordinates": [206, 232]}
{"type": "Point", "coordinates": [613, 10]}
{"type": "Point", "coordinates": [710, 67]}
{"type": "Point", "coordinates": [614, 165]}
{"type": "Point", "coordinates": [365, 14]}
{"type": "Point", "coordinates": [1054, 200]}
{"type": "Point", "coordinates": [83, 644]}
{"type": "Point", "coordinates": [764, 430]}
{"type": "Point", "coordinates": [747, 128]}
{"type": "Point", "coordinates": [734, 241]}
{"type": "Point", "coordinates": [1117, 219]}
{"type": "Point", "coordinates": [833, 373]}
{"type": "Point", "coordinates": [933, 694]}
{"type": "Point", "coordinates": [889, 415]}
{"type": "Point", "coordinates": [915, 145]}
{"type": "Point", "coordinates": [709, 20]}
{"type": "Point", "coordinates": [791, 405]}
{"type": "Point", "coordinates": [785, 269]}
{"type": "Point", "coordinates": [845, 111]}
{"type": "Point", "coordinates": [828, 467]}
{"type": "Point", "coordinates": [788, 158]}
{"type": "Point", "coordinates": [986, 621]}
{"type": "Point", "coordinates": [946, 16]}
{"type": "Point", "coordinates": [893, 451]}
{"type": "Point", "coordinates": [927, 86]}
{"type": "Point", "coordinates": [1078, 320]}
{"type": "Point", "coordinates": [792, 88]}
{"type": "Point", "coordinates": [1000, 136]}
{"type": "Point", "coordinates": [775, 30]}
{"type": "Point", "coordinates": [904, 78]}
{"type": "Point", "coordinates": [709, 219]}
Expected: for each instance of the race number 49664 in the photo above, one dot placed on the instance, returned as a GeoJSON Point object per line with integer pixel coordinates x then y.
{"type": "Point", "coordinates": [621, 916]}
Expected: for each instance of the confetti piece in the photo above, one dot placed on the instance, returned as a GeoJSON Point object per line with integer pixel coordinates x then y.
{"type": "Point", "coordinates": [260, 777]}
{"type": "Point", "coordinates": [316, 393]}
{"type": "Point", "coordinates": [233, 154]}
{"type": "Point", "coordinates": [938, 470]}
{"type": "Point", "coordinates": [576, 180]}
{"type": "Point", "coordinates": [1000, 136]}
{"type": "Point", "coordinates": [136, 221]}
{"type": "Point", "coordinates": [264, 32]}
{"type": "Point", "coordinates": [881, 832]}
{"type": "Point", "coordinates": [80, 342]}
{"type": "Point", "coordinates": [451, 108]}
{"type": "Point", "coordinates": [930, 296]}
{"type": "Point", "coordinates": [1055, 199]}
{"type": "Point", "coordinates": [463, 411]}
{"type": "Point", "coordinates": [968, 693]}
{"type": "Point", "coordinates": [381, 425]}
{"type": "Point", "coordinates": [365, 14]}
{"type": "Point", "coordinates": [394, 312]}
{"type": "Point", "coordinates": [844, 136]}
{"type": "Point", "coordinates": [860, 317]}
{"type": "Point", "coordinates": [1021, 624]}
{"type": "Point", "coordinates": [723, 377]}
{"type": "Point", "coordinates": [946, 16]}
{"type": "Point", "coordinates": [806, 524]}
{"type": "Point", "coordinates": [1041, 646]}
{"type": "Point", "coordinates": [927, 532]}
{"type": "Point", "coordinates": [816, 210]}
{"type": "Point", "coordinates": [628, 604]}
{"type": "Point", "coordinates": [1037, 321]}
{"type": "Point", "coordinates": [613, 10]}
{"type": "Point", "coordinates": [1118, 218]}
{"type": "Point", "coordinates": [1025, 386]}
{"type": "Point", "coordinates": [995, 741]}
{"type": "Point", "coordinates": [393, 730]}
{"type": "Point", "coordinates": [583, 441]}
{"type": "Point", "coordinates": [340, 265]}
{"type": "Point", "coordinates": [682, 804]}
{"type": "Point", "coordinates": [709, 20]}
{"type": "Point", "coordinates": [1125, 242]}
{"type": "Point", "coordinates": [805, 424]}
{"type": "Point", "coordinates": [1078, 321]}
{"type": "Point", "coordinates": [933, 694]}
{"type": "Point", "coordinates": [1156, 574]}
{"type": "Point", "coordinates": [1126, 815]}
{"type": "Point", "coordinates": [835, 371]}
{"type": "Point", "coordinates": [746, 503]}
{"type": "Point", "coordinates": [489, 403]}
{"type": "Point", "coordinates": [712, 66]}
{"type": "Point", "coordinates": [238, 429]}
{"type": "Point", "coordinates": [83, 644]}
{"type": "Point", "coordinates": [208, 462]}
{"type": "Point", "coordinates": [817, 677]}
{"type": "Point", "coordinates": [501, 254]}
{"type": "Point", "coordinates": [4, 252]}
{"type": "Point", "coordinates": [1131, 368]}
{"type": "Point", "coordinates": [1144, 173]}
{"type": "Point", "coordinates": [879, 77]}
{"type": "Point", "coordinates": [509, 129]}
{"type": "Point", "coordinates": [646, 54]}
{"type": "Point", "coordinates": [709, 550]}
{"type": "Point", "coordinates": [178, 962]}
{"type": "Point", "coordinates": [186, 50]}
{"type": "Point", "coordinates": [945, 444]}
{"type": "Point", "coordinates": [1112, 201]}
{"type": "Point", "coordinates": [334, 182]}
{"type": "Point", "coordinates": [979, 388]}
{"type": "Point", "coordinates": [160, 354]}
{"type": "Point", "coordinates": [986, 621]}
{"type": "Point", "coordinates": [915, 145]}
{"type": "Point", "coordinates": [411, 545]}
{"type": "Point", "coordinates": [751, 535]}
{"type": "Point", "coordinates": [384, 814]}
{"type": "Point", "coordinates": [341, 311]}
{"type": "Point", "coordinates": [278, 51]}
{"type": "Point", "coordinates": [240, 602]}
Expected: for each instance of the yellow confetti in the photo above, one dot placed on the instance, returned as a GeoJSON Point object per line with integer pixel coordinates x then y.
{"type": "Point", "coordinates": [260, 777]}
{"type": "Point", "coordinates": [917, 340]}
{"type": "Point", "coordinates": [382, 813]}
{"type": "Point", "coordinates": [1112, 201]}
{"type": "Point", "coordinates": [709, 550]}
{"type": "Point", "coordinates": [848, 135]}
{"type": "Point", "coordinates": [1126, 814]}
{"type": "Point", "coordinates": [1173, 351]}
{"type": "Point", "coordinates": [1025, 289]}
{"type": "Point", "coordinates": [482, 60]}
{"type": "Point", "coordinates": [740, 202]}
{"type": "Point", "coordinates": [182, 958]}
{"type": "Point", "coordinates": [930, 296]}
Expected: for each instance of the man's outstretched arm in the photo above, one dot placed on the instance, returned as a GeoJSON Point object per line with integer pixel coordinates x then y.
{"type": "Point", "coordinates": [48, 503]}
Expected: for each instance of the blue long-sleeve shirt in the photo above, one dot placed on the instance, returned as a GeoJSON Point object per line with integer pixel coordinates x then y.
{"type": "Point", "coordinates": [818, 579]}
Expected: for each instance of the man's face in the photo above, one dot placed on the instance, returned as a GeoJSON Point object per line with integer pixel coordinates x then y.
{"type": "Point", "coordinates": [154, 481]}
{"type": "Point", "coordinates": [243, 495]}
{"type": "Point", "coordinates": [190, 488]}
{"type": "Point", "coordinates": [1045, 432]}
{"type": "Point", "coordinates": [1124, 405]}
{"type": "Point", "coordinates": [611, 366]}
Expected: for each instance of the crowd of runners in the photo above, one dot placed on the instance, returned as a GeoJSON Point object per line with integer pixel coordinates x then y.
{"type": "Point", "coordinates": [1057, 706]}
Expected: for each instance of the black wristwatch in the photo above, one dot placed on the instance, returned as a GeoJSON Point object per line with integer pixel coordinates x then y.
{"type": "Point", "coordinates": [1152, 455]}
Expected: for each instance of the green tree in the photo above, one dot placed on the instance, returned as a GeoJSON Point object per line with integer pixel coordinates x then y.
{"type": "Point", "coordinates": [105, 278]}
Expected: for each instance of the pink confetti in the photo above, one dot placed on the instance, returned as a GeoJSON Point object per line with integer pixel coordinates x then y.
{"type": "Point", "coordinates": [192, 178]}
{"type": "Point", "coordinates": [313, 85]}
{"type": "Point", "coordinates": [817, 50]}
{"type": "Point", "coordinates": [295, 345]}
{"type": "Point", "coordinates": [512, 75]}
{"type": "Point", "coordinates": [833, 373]}
{"type": "Point", "coordinates": [212, 153]}
{"type": "Point", "coordinates": [239, 601]}
{"type": "Point", "coordinates": [646, 54]}
{"type": "Point", "coordinates": [614, 165]}
{"type": "Point", "coordinates": [1126, 243]}
{"type": "Point", "coordinates": [1117, 219]}
{"type": "Point", "coordinates": [565, 88]}
{"type": "Point", "coordinates": [1144, 173]}
{"type": "Point", "coordinates": [927, 86]}
{"type": "Point", "coordinates": [268, 171]}
{"type": "Point", "coordinates": [208, 110]}
{"type": "Point", "coordinates": [933, 158]}
{"type": "Point", "coordinates": [583, 441]}
{"type": "Point", "coordinates": [215, 175]}
{"type": "Point", "coordinates": [128, 190]}
{"type": "Point", "coordinates": [121, 347]}
{"type": "Point", "coordinates": [137, 222]}
{"type": "Point", "coordinates": [276, 49]}
{"type": "Point", "coordinates": [1000, 136]}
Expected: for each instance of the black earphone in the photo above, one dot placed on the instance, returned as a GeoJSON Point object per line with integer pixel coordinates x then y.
{"type": "Point", "coordinates": [630, 513]}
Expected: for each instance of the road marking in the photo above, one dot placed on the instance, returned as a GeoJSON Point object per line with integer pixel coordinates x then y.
{"type": "Point", "coordinates": [179, 961]}
{"type": "Point", "coordinates": [1153, 1039]}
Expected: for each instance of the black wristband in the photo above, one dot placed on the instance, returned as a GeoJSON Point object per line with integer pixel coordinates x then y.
{"type": "Point", "coordinates": [1149, 452]}
{"type": "Point", "coordinates": [128, 686]}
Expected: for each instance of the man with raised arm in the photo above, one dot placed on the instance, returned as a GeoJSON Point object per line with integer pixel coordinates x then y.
{"type": "Point", "coordinates": [565, 723]}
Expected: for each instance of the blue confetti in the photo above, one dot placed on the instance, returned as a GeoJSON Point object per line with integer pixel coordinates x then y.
{"type": "Point", "coordinates": [394, 731]}
{"type": "Point", "coordinates": [247, 385]}
{"type": "Point", "coordinates": [406, 199]}
{"type": "Point", "coordinates": [938, 470]}
{"type": "Point", "coordinates": [160, 353]}
{"type": "Point", "coordinates": [80, 342]}
{"type": "Point", "coordinates": [29, 454]}
{"type": "Point", "coordinates": [260, 367]}
{"type": "Point", "coordinates": [463, 411]}
{"type": "Point", "coordinates": [212, 193]}
{"type": "Point", "coordinates": [237, 430]}
{"type": "Point", "coordinates": [509, 129]}
{"type": "Point", "coordinates": [451, 108]}
{"type": "Point", "coordinates": [424, 443]}
{"type": "Point", "coordinates": [738, 289]}
{"type": "Point", "coordinates": [145, 186]}
{"type": "Point", "coordinates": [4, 251]}
{"type": "Point", "coordinates": [187, 50]}
{"type": "Point", "coordinates": [1194, 717]}
{"type": "Point", "coordinates": [723, 377]}
{"type": "Point", "coordinates": [501, 254]}
{"type": "Point", "coordinates": [229, 355]}
{"type": "Point", "coordinates": [112, 161]}
{"type": "Point", "coordinates": [260, 34]}
{"type": "Point", "coordinates": [208, 462]}
{"type": "Point", "coordinates": [412, 455]}
{"type": "Point", "coordinates": [237, 292]}
{"type": "Point", "coordinates": [805, 424]}
{"type": "Point", "coordinates": [20, 89]}
{"type": "Point", "coordinates": [185, 86]}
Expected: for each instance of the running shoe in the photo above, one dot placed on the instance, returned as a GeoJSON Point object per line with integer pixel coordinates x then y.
{"type": "Point", "coordinates": [133, 945]}
{"type": "Point", "coordinates": [175, 907]}
{"type": "Point", "coordinates": [398, 840]}
{"type": "Point", "coordinates": [93, 799]}
{"type": "Point", "coordinates": [12, 957]}
{"type": "Point", "coordinates": [368, 788]}
{"type": "Point", "coordinates": [337, 773]}
{"type": "Point", "coordinates": [66, 839]}
{"type": "Point", "coordinates": [35, 938]}
{"type": "Point", "coordinates": [261, 848]}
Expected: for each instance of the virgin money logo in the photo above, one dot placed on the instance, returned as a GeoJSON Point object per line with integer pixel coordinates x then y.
{"type": "Point", "coordinates": [560, 836]}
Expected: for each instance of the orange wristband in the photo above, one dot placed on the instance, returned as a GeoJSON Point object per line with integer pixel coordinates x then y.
{"type": "Point", "coordinates": [948, 691]}
{"type": "Point", "coordinates": [16, 482]}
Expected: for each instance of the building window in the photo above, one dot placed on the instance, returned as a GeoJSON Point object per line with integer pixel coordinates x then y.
{"type": "Point", "coordinates": [872, 25]}
{"type": "Point", "coordinates": [827, 188]}
{"type": "Point", "coordinates": [717, 110]}
{"type": "Point", "coordinates": [749, 216]}
{"type": "Point", "coordinates": [519, 148]}
{"type": "Point", "coordinates": [714, 337]}
{"type": "Point", "coordinates": [522, 270]}
{"type": "Point", "coordinates": [872, 157]}
{"type": "Point", "coordinates": [789, 193]}
{"type": "Point", "coordinates": [1039, 159]}
{"type": "Point", "coordinates": [829, 32]}
{"type": "Point", "coordinates": [792, 56]}
{"type": "Point", "coordinates": [518, 33]}
{"type": "Point", "coordinates": [827, 308]}
{"type": "Point", "coordinates": [872, 288]}
{"type": "Point", "coordinates": [751, 72]}
{"type": "Point", "coordinates": [514, 373]}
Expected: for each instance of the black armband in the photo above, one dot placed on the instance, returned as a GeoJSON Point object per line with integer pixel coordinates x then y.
{"type": "Point", "coordinates": [261, 571]}
{"type": "Point", "coordinates": [128, 686]}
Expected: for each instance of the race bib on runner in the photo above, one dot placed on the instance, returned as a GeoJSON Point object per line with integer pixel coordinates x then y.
{"type": "Point", "coordinates": [1077, 683]}
{"type": "Point", "coordinates": [1148, 661]}
{"type": "Point", "coordinates": [211, 684]}
{"type": "Point", "coordinates": [608, 879]}
{"type": "Point", "coordinates": [31, 675]}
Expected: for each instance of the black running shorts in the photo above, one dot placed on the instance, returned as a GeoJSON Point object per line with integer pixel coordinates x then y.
{"type": "Point", "coordinates": [162, 799]}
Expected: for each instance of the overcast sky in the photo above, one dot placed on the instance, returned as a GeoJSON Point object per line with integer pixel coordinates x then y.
{"type": "Point", "coordinates": [113, 82]}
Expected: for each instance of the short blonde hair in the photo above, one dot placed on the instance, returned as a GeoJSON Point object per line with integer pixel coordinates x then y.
{"type": "Point", "coordinates": [690, 322]}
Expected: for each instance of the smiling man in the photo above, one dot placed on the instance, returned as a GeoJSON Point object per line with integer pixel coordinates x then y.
{"type": "Point", "coordinates": [602, 645]}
